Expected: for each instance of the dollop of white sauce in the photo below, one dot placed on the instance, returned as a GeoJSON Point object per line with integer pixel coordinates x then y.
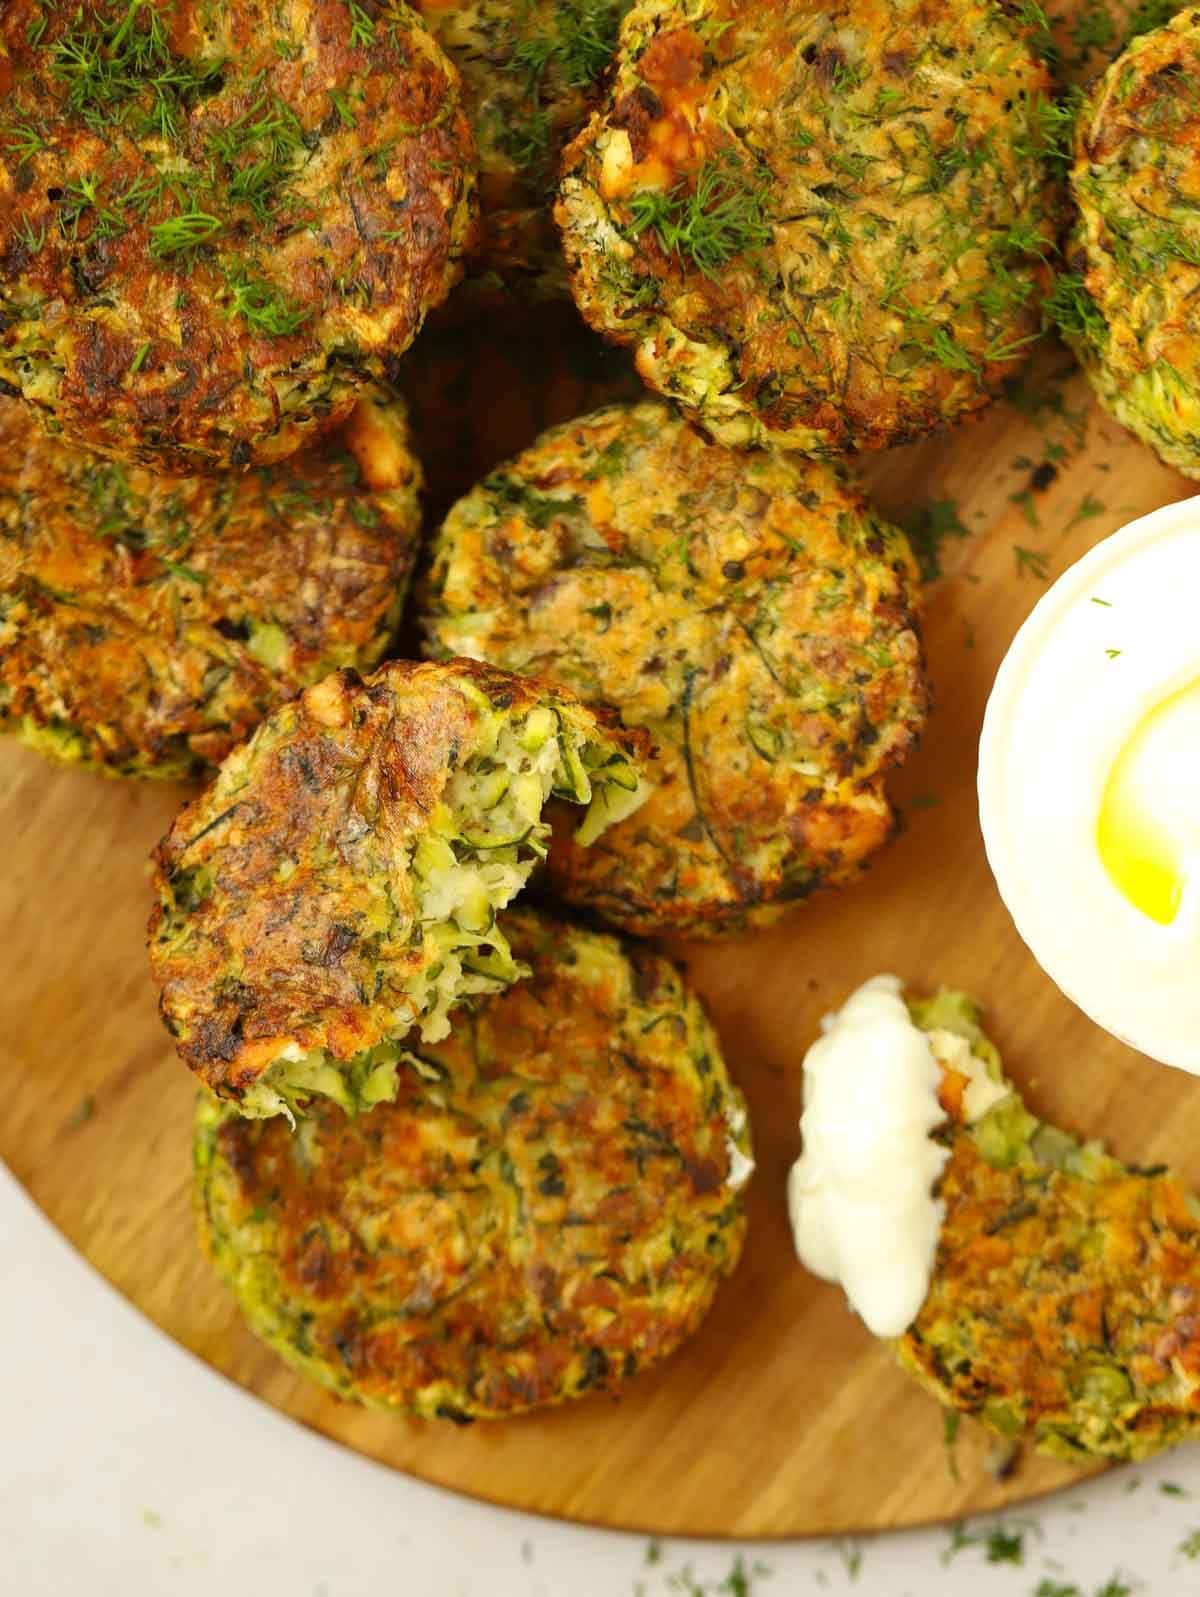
{"type": "Point", "coordinates": [861, 1194]}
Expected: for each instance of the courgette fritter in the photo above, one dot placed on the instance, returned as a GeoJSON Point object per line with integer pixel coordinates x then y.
{"type": "Point", "coordinates": [823, 227]}
{"type": "Point", "coordinates": [531, 74]}
{"type": "Point", "coordinates": [216, 221]}
{"type": "Point", "coordinates": [148, 624]}
{"type": "Point", "coordinates": [1129, 304]}
{"type": "Point", "coordinates": [749, 611]}
{"type": "Point", "coordinates": [1063, 1304]}
{"type": "Point", "coordinates": [336, 886]}
{"type": "Point", "coordinates": [546, 1209]}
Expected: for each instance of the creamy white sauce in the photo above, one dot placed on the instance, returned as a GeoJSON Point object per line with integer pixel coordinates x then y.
{"type": "Point", "coordinates": [861, 1194]}
{"type": "Point", "coordinates": [1107, 646]}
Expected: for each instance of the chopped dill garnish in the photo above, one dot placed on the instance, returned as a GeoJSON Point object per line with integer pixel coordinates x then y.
{"type": "Point", "coordinates": [262, 307]}
{"type": "Point", "coordinates": [182, 234]}
{"type": "Point", "coordinates": [723, 216]}
{"type": "Point", "coordinates": [929, 527]}
{"type": "Point", "coordinates": [362, 27]}
{"type": "Point", "coordinates": [1033, 561]}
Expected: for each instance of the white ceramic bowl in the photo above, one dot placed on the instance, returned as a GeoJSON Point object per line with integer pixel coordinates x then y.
{"type": "Point", "coordinates": [1116, 634]}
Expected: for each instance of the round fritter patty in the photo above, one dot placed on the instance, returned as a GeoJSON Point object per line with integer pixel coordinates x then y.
{"type": "Point", "coordinates": [749, 611]}
{"type": "Point", "coordinates": [546, 1209]}
{"type": "Point", "coordinates": [336, 885]}
{"type": "Point", "coordinates": [820, 227]}
{"type": "Point", "coordinates": [148, 624]}
{"type": "Point", "coordinates": [217, 220]}
{"type": "Point", "coordinates": [1130, 304]}
{"type": "Point", "coordinates": [1062, 1304]}
{"type": "Point", "coordinates": [531, 73]}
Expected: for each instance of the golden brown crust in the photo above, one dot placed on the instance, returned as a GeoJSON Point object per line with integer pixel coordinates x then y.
{"type": "Point", "coordinates": [823, 227]}
{"type": "Point", "coordinates": [749, 611]}
{"type": "Point", "coordinates": [216, 221]}
{"type": "Point", "coordinates": [546, 1209]}
{"type": "Point", "coordinates": [148, 624]}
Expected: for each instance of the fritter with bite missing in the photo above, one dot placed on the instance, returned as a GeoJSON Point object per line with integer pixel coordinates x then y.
{"type": "Point", "coordinates": [820, 227]}
{"type": "Point", "coordinates": [1063, 1304]}
{"type": "Point", "coordinates": [218, 221]}
{"type": "Point", "coordinates": [1129, 303]}
{"type": "Point", "coordinates": [749, 611]}
{"type": "Point", "coordinates": [148, 624]}
{"type": "Point", "coordinates": [546, 1209]}
{"type": "Point", "coordinates": [336, 886]}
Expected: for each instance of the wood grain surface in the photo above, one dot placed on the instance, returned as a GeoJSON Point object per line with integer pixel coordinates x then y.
{"type": "Point", "coordinates": [783, 1417]}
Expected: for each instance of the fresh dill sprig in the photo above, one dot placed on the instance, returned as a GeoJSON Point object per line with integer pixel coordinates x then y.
{"type": "Point", "coordinates": [270, 136]}
{"type": "Point", "coordinates": [183, 234]}
{"type": "Point", "coordinates": [362, 27]}
{"type": "Point", "coordinates": [107, 65]}
{"type": "Point", "coordinates": [24, 140]}
{"type": "Point", "coordinates": [722, 216]}
{"type": "Point", "coordinates": [262, 307]}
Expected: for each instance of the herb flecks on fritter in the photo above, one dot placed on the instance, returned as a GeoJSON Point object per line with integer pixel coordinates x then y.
{"type": "Point", "coordinates": [148, 624]}
{"type": "Point", "coordinates": [547, 1208]}
{"type": "Point", "coordinates": [531, 73]}
{"type": "Point", "coordinates": [749, 611]}
{"type": "Point", "coordinates": [1065, 1299]}
{"type": "Point", "coordinates": [336, 886]}
{"type": "Point", "coordinates": [217, 220]}
{"type": "Point", "coordinates": [1128, 304]}
{"type": "Point", "coordinates": [824, 227]}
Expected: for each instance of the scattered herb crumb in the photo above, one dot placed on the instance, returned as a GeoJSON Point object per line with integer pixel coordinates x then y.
{"type": "Point", "coordinates": [851, 1555]}
{"type": "Point", "coordinates": [149, 1517]}
{"type": "Point", "coordinates": [1028, 504]}
{"type": "Point", "coordinates": [1189, 1547]}
{"type": "Point", "coordinates": [1107, 603]}
{"type": "Point", "coordinates": [1056, 1588]}
{"type": "Point", "coordinates": [1115, 654]}
{"type": "Point", "coordinates": [654, 1553]}
{"type": "Point", "coordinates": [85, 1111]}
{"type": "Point", "coordinates": [1172, 1489]}
{"type": "Point", "coordinates": [1033, 561]}
{"type": "Point", "coordinates": [1089, 507]}
{"type": "Point", "coordinates": [1002, 1544]}
{"type": "Point", "coordinates": [1114, 1587]}
{"type": "Point", "coordinates": [951, 1418]}
{"type": "Point", "coordinates": [929, 527]}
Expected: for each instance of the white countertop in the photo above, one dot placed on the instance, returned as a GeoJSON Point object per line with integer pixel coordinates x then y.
{"type": "Point", "coordinates": [129, 1468]}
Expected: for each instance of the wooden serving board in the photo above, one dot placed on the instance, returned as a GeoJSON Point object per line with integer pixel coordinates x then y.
{"type": "Point", "coordinates": [783, 1417]}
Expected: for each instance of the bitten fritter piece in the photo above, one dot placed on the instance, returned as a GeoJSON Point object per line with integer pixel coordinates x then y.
{"type": "Point", "coordinates": [336, 885]}
{"type": "Point", "coordinates": [820, 227]}
{"type": "Point", "coordinates": [217, 221]}
{"type": "Point", "coordinates": [148, 624]}
{"type": "Point", "coordinates": [547, 1208]}
{"type": "Point", "coordinates": [531, 74]}
{"type": "Point", "coordinates": [1129, 305]}
{"type": "Point", "coordinates": [749, 611]}
{"type": "Point", "coordinates": [1065, 1300]}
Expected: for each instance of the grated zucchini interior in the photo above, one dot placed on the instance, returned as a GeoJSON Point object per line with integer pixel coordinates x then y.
{"type": "Point", "coordinates": [482, 844]}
